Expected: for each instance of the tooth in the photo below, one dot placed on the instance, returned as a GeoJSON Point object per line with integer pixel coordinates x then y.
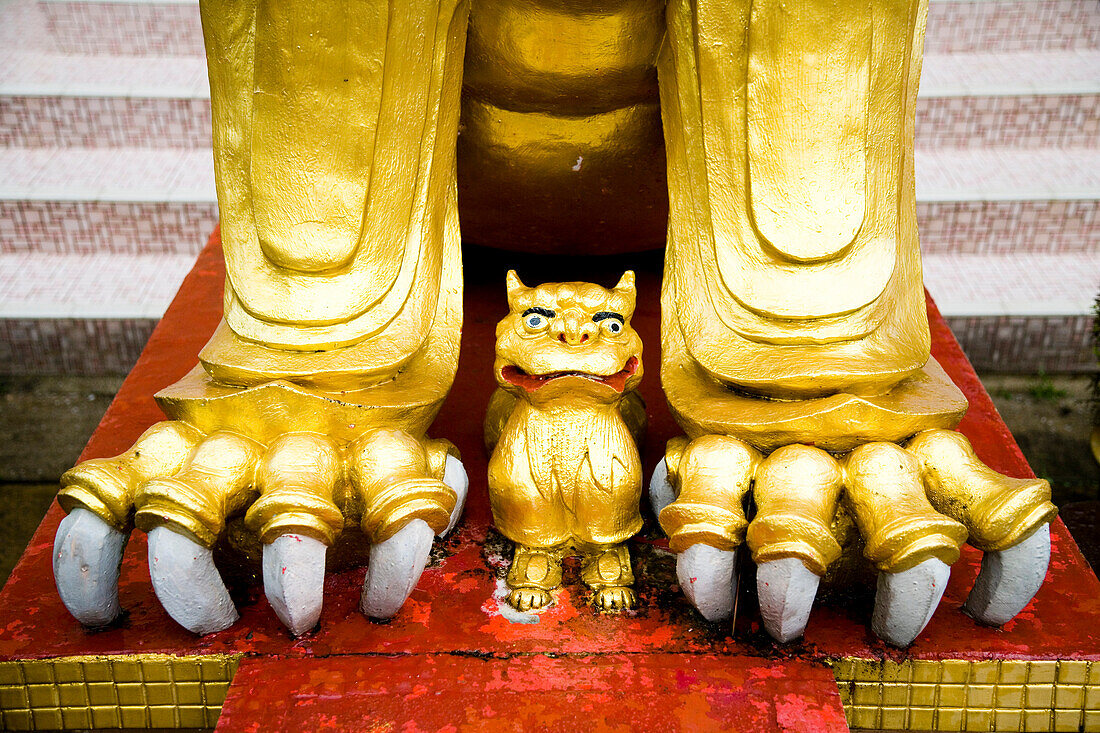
{"type": "Point", "coordinates": [87, 555]}
{"type": "Point", "coordinates": [454, 475]}
{"type": "Point", "coordinates": [187, 584]}
{"type": "Point", "coordinates": [661, 493]}
{"type": "Point", "coordinates": [786, 589]}
{"type": "Point", "coordinates": [706, 575]}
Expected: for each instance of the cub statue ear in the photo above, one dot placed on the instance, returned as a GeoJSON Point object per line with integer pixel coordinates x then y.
{"type": "Point", "coordinates": [626, 292]}
{"type": "Point", "coordinates": [626, 284]}
{"type": "Point", "coordinates": [514, 285]}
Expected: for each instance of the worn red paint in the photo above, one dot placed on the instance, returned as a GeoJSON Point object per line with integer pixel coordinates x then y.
{"type": "Point", "coordinates": [611, 692]}
{"type": "Point", "coordinates": [450, 638]}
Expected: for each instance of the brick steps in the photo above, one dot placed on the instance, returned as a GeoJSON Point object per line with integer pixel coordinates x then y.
{"type": "Point", "coordinates": [1032, 309]}
{"type": "Point", "coordinates": [82, 314]}
{"type": "Point", "coordinates": [109, 200]}
{"type": "Point", "coordinates": [993, 26]}
{"type": "Point", "coordinates": [159, 28]}
{"type": "Point", "coordinates": [1012, 120]}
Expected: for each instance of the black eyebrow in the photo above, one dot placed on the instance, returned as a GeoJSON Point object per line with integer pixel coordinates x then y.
{"type": "Point", "coordinates": [541, 311]}
{"type": "Point", "coordinates": [604, 315]}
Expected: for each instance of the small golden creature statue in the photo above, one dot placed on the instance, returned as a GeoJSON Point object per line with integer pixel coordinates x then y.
{"type": "Point", "coordinates": [565, 476]}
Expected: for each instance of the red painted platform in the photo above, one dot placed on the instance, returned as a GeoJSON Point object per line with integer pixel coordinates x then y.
{"type": "Point", "coordinates": [602, 692]}
{"type": "Point", "coordinates": [450, 657]}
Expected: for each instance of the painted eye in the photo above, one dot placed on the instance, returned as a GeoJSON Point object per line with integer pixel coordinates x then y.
{"type": "Point", "coordinates": [535, 321]}
{"type": "Point", "coordinates": [612, 326]}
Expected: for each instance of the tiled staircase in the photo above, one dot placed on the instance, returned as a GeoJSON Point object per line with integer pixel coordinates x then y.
{"type": "Point", "coordinates": [106, 182]}
{"type": "Point", "coordinates": [1008, 178]}
{"type": "Point", "coordinates": [107, 189]}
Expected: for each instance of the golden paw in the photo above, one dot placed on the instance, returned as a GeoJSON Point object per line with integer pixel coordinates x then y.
{"type": "Point", "coordinates": [907, 509]}
{"type": "Point", "coordinates": [615, 598]}
{"type": "Point", "coordinates": [529, 599]}
{"type": "Point", "coordinates": [297, 492]}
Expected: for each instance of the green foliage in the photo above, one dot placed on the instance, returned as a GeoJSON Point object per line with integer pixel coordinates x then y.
{"type": "Point", "coordinates": [1043, 389]}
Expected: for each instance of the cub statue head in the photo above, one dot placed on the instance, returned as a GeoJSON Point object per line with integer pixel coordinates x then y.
{"type": "Point", "coordinates": [569, 339]}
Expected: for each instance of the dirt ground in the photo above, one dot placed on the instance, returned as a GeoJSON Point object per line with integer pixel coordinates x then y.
{"type": "Point", "coordinates": [45, 422]}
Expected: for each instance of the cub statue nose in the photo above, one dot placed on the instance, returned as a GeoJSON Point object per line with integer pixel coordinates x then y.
{"type": "Point", "coordinates": [574, 330]}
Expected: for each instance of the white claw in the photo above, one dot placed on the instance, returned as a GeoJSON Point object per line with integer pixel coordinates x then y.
{"type": "Point", "coordinates": [661, 493]}
{"type": "Point", "coordinates": [786, 589]}
{"type": "Point", "coordinates": [188, 584]}
{"type": "Point", "coordinates": [905, 601]}
{"type": "Point", "coordinates": [394, 569]}
{"type": "Point", "coordinates": [454, 475]}
{"type": "Point", "coordinates": [1009, 579]}
{"type": "Point", "coordinates": [294, 580]}
{"type": "Point", "coordinates": [707, 577]}
{"type": "Point", "coordinates": [87, 555]}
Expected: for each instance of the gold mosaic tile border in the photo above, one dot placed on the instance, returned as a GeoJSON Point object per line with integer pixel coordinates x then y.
{"type": "Point", "coordinates": [131, 691]}
{"type": "Point", "coordinates": [962, 695]}
{"type": "Point", "coordinates": [164, 691]}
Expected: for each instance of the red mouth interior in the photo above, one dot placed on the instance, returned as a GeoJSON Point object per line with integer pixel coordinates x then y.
{"type": "Point", "coordinates": [531, 382]}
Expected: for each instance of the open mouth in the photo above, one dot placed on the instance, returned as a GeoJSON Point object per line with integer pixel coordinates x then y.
{"type": "Point", "coordinates": [530, 382]}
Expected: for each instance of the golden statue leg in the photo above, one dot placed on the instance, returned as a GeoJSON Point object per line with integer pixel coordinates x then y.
{"type": "Point", "coordinates": [900, 527]}
{"type": "Point", "coordinates": [107, 486]}
{"type": "Point", "coordinates": [297, 520]}
{"type": "Point", "coordinates": [98, 496]}
{"type": "Point", "coordinates": [796, 493]}
{"type": "Point", "coordinates": [216, 481]}
{"type": "Point", "coordinates": [791, 538]}
{"type": "Point", "coordinates": [184, 515]}
{"type": "Point", "coordinates": [705, 483]}
{"type": "Point", "coordinates": [403, 503]}
{"type": "Point", "coordinates": [793, 315]}
{"type": "Point", "coordinates": [397, 479]}
{"type": "Point", "coordinates": [297, 481]}
{"type": "Point", "coordinates": [334, 143]}
{"type": "Point", "coordinates": [998, 511]}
